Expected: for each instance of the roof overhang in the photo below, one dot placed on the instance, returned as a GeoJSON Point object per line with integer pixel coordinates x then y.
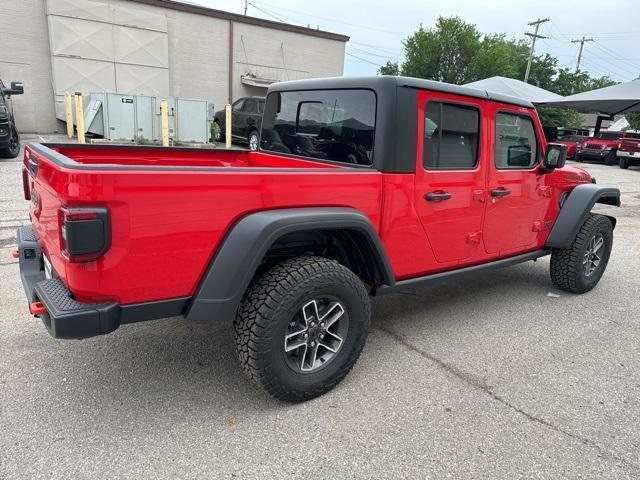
{"type": "Point", "coordinates": [254, 81]}
{"type": "Point", "coordinates": [234, 17]}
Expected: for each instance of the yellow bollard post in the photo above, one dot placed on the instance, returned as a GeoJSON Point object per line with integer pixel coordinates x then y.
{"type": "Point", "coordinates": [227, 126]}
{"type": "Point", "coordinates": [79, 117]}
{"type": "Point", "coordinates": [68, 113]}
{"type": "Point", "coordinates": [164, 122]}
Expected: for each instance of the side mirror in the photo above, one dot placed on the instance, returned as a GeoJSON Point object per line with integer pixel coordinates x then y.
{"type": "Point", "coordinates": [556, 156]}
{"type": "Point", "coordinates": [16, 89]}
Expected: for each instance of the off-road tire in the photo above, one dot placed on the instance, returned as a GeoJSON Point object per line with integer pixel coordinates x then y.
{"type": "Point", "coordinates": [567, 270]}
{"type": "Point", "coordinates": [269, 305]}
{"type": "Point", "coordinates": [14, 148]}
{"type": "Point", "coordinates": [623, 162]}
{"type": "Point", "coordinates": [610, 159]}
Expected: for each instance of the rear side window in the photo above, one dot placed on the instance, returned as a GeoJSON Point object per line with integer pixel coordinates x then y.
{"type": "Point", "coordinates": [451, 135]}
{"type": "Point", "coordinates": [261, 105]}
{"type": "Point", "coordinates": [335, 125]}
{"type": "Point", "coordinates": [516, 142]}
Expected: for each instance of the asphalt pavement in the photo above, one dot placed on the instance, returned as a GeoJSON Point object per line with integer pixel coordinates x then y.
{"type": "Point", "coordinates": [487, 377]}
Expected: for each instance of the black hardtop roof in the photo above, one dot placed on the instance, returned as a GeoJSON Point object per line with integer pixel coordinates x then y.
{"type": "Point", "coordinates": [382, 82]}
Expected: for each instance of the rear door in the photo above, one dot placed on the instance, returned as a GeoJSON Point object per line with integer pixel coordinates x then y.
{"type": "Point", "coordinates": [450, 174]}
{"type": "Point", "coordinates": [518, 196]}
{"type": "Point", "coordinates": [238, 118]}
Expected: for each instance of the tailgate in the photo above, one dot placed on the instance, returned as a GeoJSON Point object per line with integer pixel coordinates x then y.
{"type": "Point", "coordinates": [630, 144]}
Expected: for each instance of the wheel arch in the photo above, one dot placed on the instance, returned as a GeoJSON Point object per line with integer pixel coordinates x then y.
{"type": "Point", "coordinates": [575, 209]}
{"type": "Point", "coordinates": [231, 270]}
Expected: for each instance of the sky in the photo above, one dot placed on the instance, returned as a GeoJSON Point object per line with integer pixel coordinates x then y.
{"type": "Point", "coordinates": [377, 27]}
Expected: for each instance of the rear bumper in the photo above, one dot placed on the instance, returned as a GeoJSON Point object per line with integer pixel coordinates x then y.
{"type": "Point", "coordinates": [629, 155]}
{"type": "Point", "coordinates": [68, 318]}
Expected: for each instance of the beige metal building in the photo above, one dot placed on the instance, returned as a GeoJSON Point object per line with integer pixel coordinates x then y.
{"type": "Point", "coordinates": [150, 47]}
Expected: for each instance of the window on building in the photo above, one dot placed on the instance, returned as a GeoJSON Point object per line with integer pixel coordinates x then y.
{"type": "Point", "coordinates": [451, 135]}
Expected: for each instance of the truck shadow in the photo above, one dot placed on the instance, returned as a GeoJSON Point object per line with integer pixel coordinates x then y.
{"type": "Point", "coordinates": [172, 366]}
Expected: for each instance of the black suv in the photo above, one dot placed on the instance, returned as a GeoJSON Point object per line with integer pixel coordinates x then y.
{"type": "Point", "coordinates": [9, 139]}
{"type": "Point", "coordinates": [246, 119]}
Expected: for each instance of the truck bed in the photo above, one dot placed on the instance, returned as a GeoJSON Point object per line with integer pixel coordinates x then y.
{"type": "Point", "coordinates": [169, 208]}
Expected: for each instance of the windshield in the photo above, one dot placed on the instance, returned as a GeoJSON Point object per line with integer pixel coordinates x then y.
{"type": "Point", "coordinates": [575, 138]}
{"type": "Point", "coordinates": [609, 135]}
{"type": "Point", "coordinates": [335, 125]}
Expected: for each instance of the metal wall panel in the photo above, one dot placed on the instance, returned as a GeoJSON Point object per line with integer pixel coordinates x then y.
{"type": "Point", "coordinates": [104, 45]}
{"type": "Point", "coordinates": [142, 80]}
{"type": "Point", "coordinates": [78, 38]}
{"type": "Point", "coordinates": [87, 9]}
{"type": "Point", "coordinates": [141, 47]}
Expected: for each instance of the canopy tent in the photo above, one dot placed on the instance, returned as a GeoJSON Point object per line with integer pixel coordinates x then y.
{"type": "Point", "coordinates": [515, 88]}
{"type": "Point", "coordinates": [624, 97]}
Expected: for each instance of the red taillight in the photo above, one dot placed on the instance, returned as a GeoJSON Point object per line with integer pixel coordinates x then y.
{"type": "Point", "coordinates": [26, 184]}
{"type": "Point", "coordinates": [85, 233]}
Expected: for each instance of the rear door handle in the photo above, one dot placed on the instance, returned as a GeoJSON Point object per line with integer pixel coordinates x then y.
{"type": "Point", "coordinates": [500, 192]}
{"type": "Point", "coordinates": [438, 196]}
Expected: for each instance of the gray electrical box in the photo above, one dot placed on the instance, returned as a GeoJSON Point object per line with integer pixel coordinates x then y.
{"type": "Point", "coordinates": [115, 116]}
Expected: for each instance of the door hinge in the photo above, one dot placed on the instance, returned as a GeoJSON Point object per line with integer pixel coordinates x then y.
{"type": "Point", "coordinates": [545, 190]}
{"type": "Point", "coordinates": [541, 225]}
{"type": "Point", "coordinates": [478, 196]}
{"type": "Point", "coordinates": [474, 238]}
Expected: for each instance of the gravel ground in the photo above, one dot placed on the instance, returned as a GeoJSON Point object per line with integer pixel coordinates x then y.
{"type": "Point", "coordinates": [488, 377]}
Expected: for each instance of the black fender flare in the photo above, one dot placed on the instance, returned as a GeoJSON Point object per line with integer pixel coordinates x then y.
{"type": "Point", "coordinates": [575, 209]}
{"type": "Point", "coordinates": [237, 259]}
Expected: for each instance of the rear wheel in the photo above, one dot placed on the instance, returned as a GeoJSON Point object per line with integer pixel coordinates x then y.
{"type": "Point", "coordinates": [577, 157]}
{"type": "Point", "coordinates": [579, 267]}
{"type": "Point", "coordinates": [13, 150]}
{"type": "Point", "coordinates": [301, 327]}
{"type": "Point", "coordinates": [624, 162]}
{"type": "Point", "coordinates": [610, 159]}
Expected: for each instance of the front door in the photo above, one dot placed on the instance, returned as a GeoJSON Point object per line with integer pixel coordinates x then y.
{"type": "Point", "coordinates": [450, 178]}
{"type": "Point", "coordinates": [518, 197]}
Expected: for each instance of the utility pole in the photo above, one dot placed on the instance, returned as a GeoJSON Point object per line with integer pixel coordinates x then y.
{"type": "Point", "coordinates": [246, 4]}
{"type": "Point", "coordinates": [581, 42]}
{"type": "Point", "coordinates": [534, 36]}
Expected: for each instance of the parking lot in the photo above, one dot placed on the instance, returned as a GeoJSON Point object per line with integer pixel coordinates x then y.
{"type": "Point", "coordinates": [495, 376]}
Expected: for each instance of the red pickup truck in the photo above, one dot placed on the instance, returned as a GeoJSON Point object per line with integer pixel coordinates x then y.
{"type": "Point", "coordinates": [361, 187]}
{"type": "Point", "coordinates": [603, 146]}
{"type": "Point", "coordinates": [629, 152]}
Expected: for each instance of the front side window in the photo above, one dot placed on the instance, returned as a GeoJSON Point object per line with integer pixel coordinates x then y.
{"type": "Point", "coordinates": [335, 125]}
{"type": "Point", "coordinates": [516, 142]}
{"type": "Point", "coordinates": [451, 135]}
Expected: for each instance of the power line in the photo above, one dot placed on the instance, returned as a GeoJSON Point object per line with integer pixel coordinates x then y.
{"type": "Point", "coordinates": [534, 36]}
{"type": "Point", "coordinates": [581, 41]}
{"type": "Point", "coordinates": [268, 13]}
{"type": "Point", "coordinates": [362, 59]}
{"type": "Point", "coordinates": [610, 52]}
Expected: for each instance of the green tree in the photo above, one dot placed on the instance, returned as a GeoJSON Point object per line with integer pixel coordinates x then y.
{"type": "Point", "coordinates": [559, 117]}
{"type": "Point", "coordinates": [444, 53]}
{"type": "Point", "coordinates": [389, 68]}
{"type": "Point", "coordinates": [634, 120]}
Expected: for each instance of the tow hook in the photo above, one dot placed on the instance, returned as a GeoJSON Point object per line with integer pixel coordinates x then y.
{"type": "Point", "coordinates": [37, 308]}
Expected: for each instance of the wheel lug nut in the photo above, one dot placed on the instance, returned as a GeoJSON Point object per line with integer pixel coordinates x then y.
{"type": "Point", "coordinates": [313, 324]}
{"type": "Point", "coordinates": [322, 324]}
{"type": "Point", "coordinates": [322, 335]}
{"type": "Point", "coordinates": [313, 344]}
{"type": "Point", "coordinates": [306, 335]}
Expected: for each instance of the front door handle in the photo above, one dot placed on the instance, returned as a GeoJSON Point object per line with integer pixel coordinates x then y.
{"type": "Point", "coordinates": [500, 192]}
{"type": "Point", "coordinates": [437, 196]}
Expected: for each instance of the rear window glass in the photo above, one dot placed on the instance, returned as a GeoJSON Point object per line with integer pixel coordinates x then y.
{"type": "Point", "coordinates": [335, 125]}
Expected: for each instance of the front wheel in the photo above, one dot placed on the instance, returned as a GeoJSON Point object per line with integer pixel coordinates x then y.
{"type": "Point", "coordinates": [624, 162]}
{"type": "Point", "coordinates": [301, 327]}
{"type": "Point", "coordinates": [13, 150]}
{"type": "Point", "coordinates": [579, 267]}
{"type": "Point", "coordinates": [578, 158]}
{"type": "Point", "coordinates": [610, 159]}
